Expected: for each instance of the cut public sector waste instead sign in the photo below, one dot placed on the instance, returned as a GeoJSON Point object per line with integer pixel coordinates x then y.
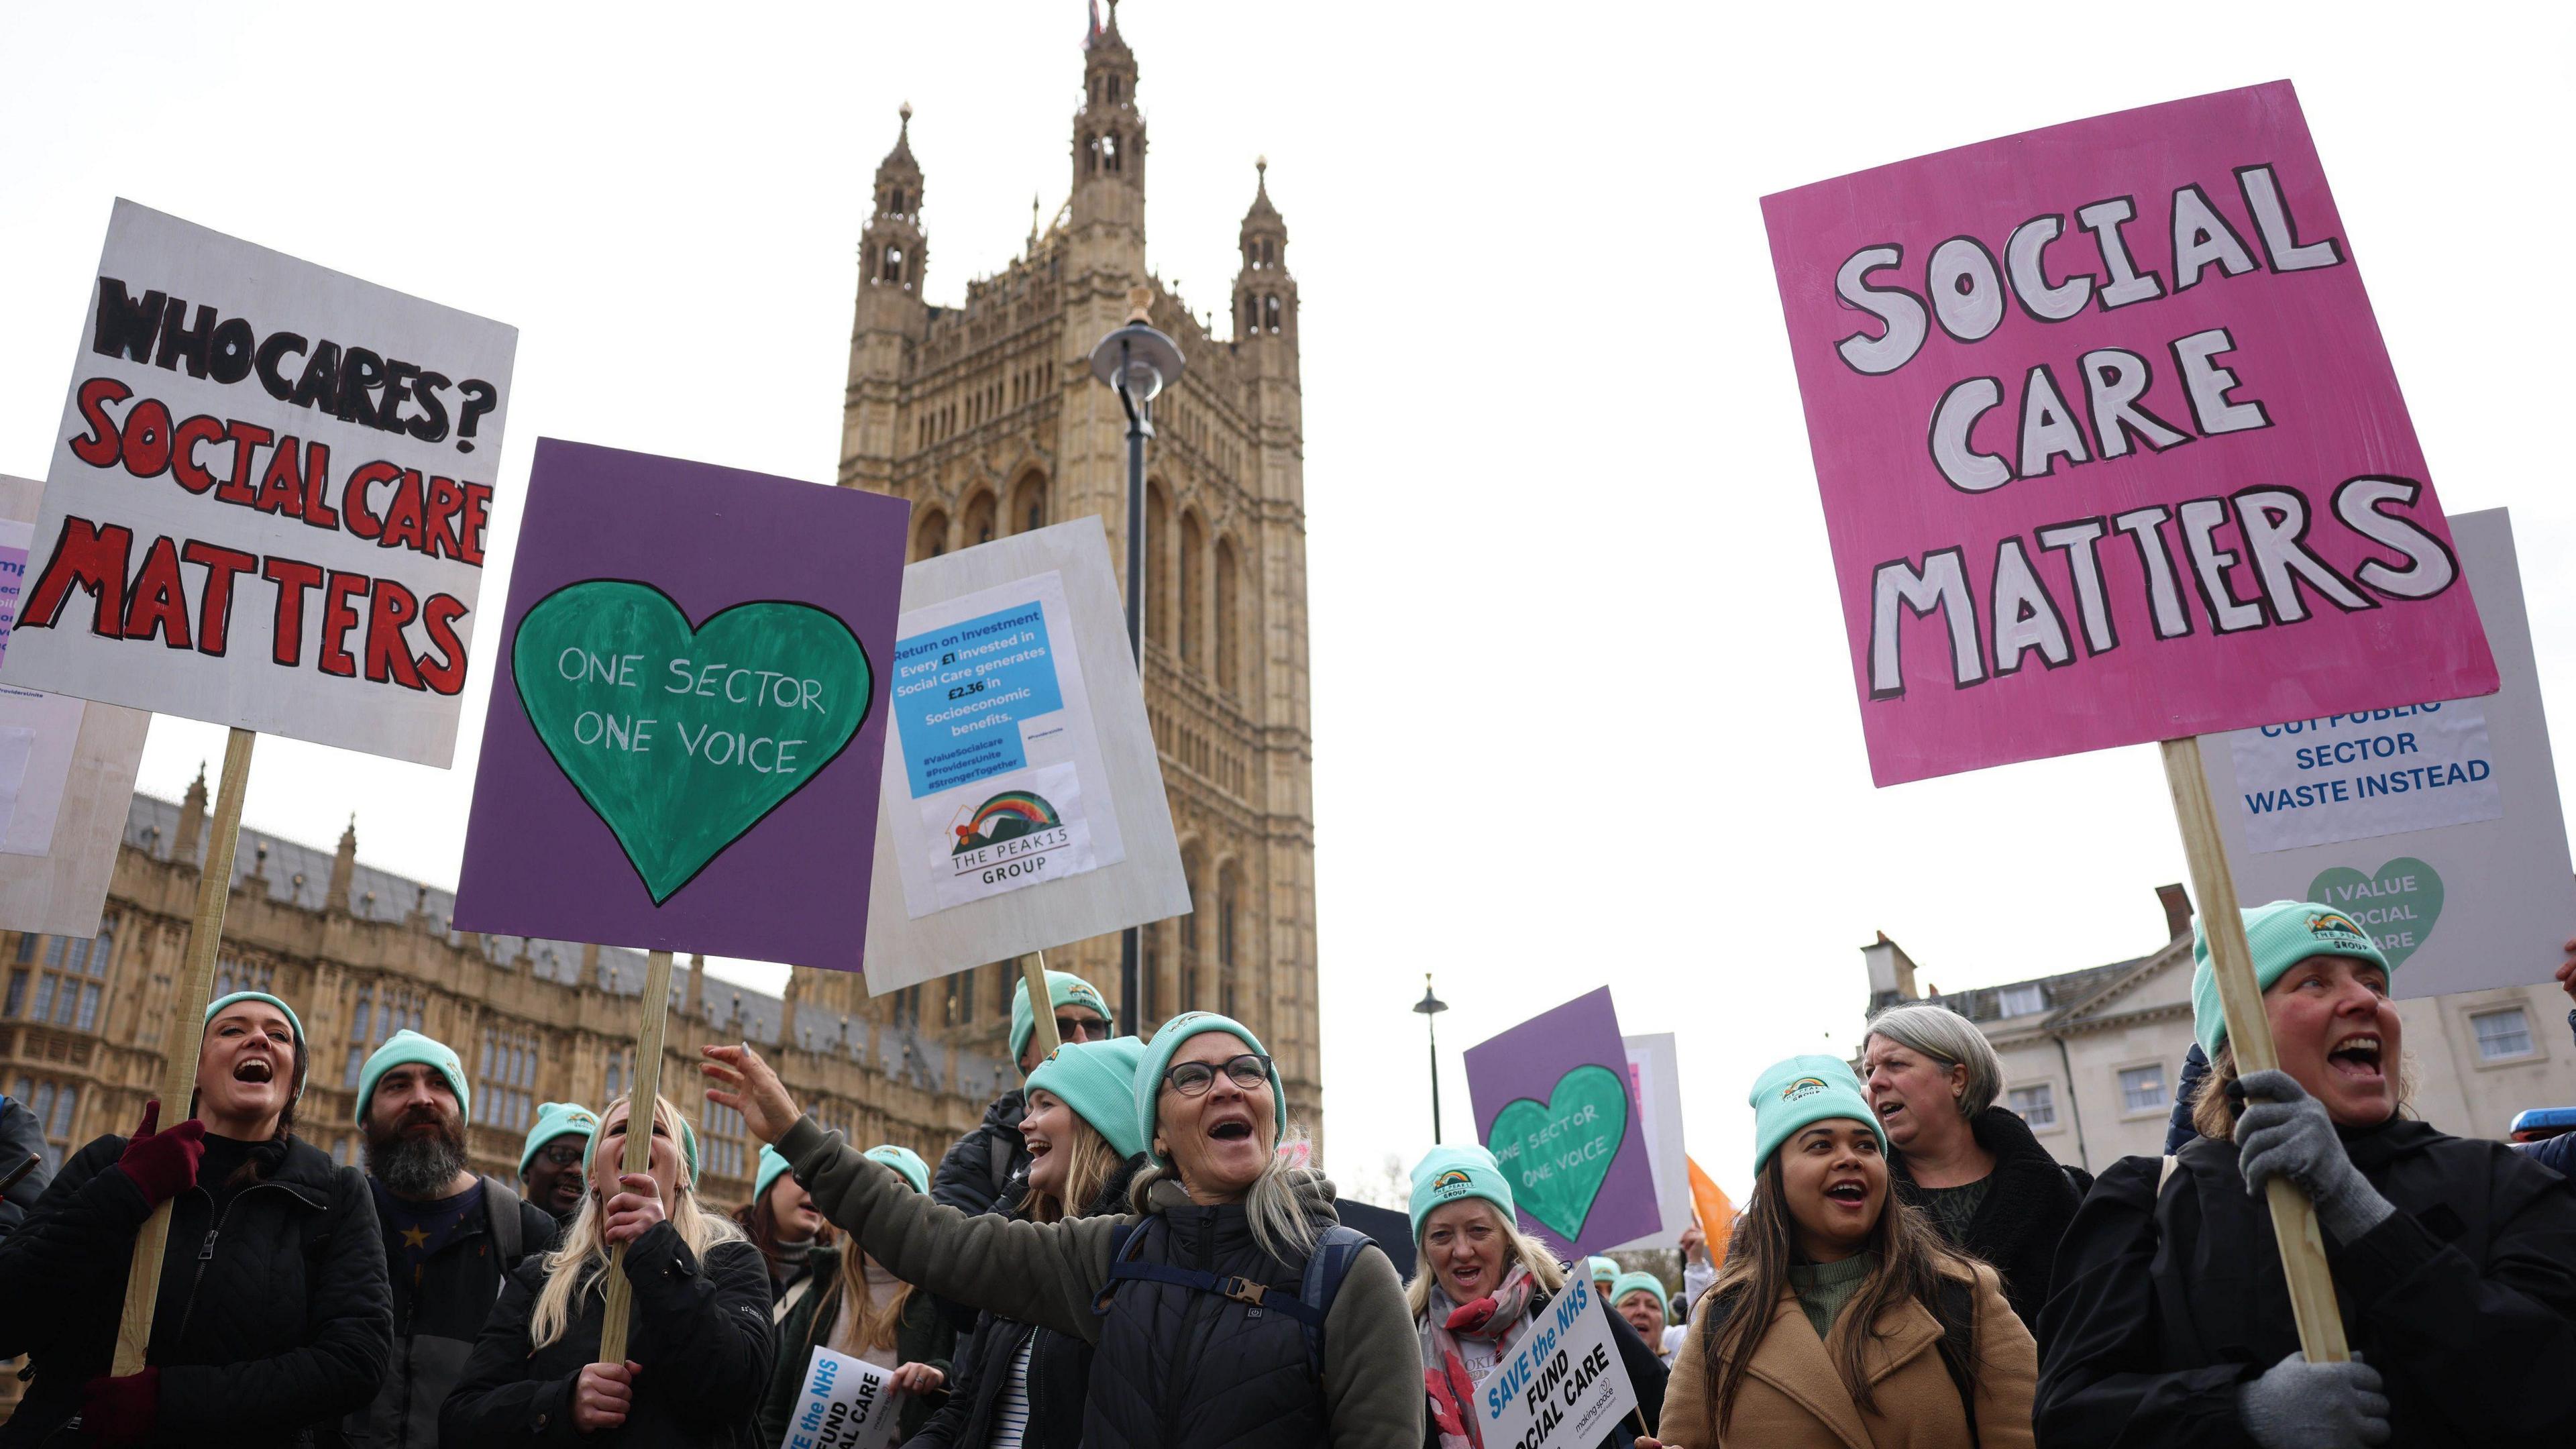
{"type": "Point", "coordinates": [268, 499]}
{"type": "Point", "coordinates": [2435, 826]}
{"type": "Point", "coordinates": [683, 744]}
{"type": "Point", "coordinates": [1023, 801]}
{"type": "Point", "coordinates": [2110, 446]}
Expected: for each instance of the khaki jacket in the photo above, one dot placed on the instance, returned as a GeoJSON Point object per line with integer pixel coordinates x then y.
{"type": "Point", "coordinates": [1792, 1396]}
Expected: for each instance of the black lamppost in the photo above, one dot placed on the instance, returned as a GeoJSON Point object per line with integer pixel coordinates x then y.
{"type": "Point", "coordinates": [1137, 362]}
{"type": "Point", "coordinates": [1431, 1006]}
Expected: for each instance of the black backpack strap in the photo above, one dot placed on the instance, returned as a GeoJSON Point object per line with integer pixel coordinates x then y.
{"type": "Point", "coordinates": [501, 1206]}
{"type": "Point", "coordinates": [1958, 1346]}
{"type": "Point", "coordinates": [1326, 1267]}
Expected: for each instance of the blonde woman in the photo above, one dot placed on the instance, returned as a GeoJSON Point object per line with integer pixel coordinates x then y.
{"type": "Point", "coordinates": [863, 1312]}
{"type": "Point", "coordinates": [1478, 1283]}
{"type": "Point", "coordinates": [699, 1350]}
{"type": "Point", "coordinates": [1197, 1299]}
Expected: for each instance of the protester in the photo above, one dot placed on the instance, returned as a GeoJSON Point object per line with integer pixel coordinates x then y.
{"type": "Point", "coordinates": [451, 1238]}
{"type": "Point", "coordinates": [1016, 1385]}
{"type": "Point", "coordinates": [1987, 1185]}
{"type": "Point", "coordinates": [267, 1332]}
{"type": "Point", "coordinates": [699, 1351]}
{"type": "Point", "coordinates": [979, 1169]}
{"type": "Point", "coordinates": [1840, 1316]}
{"type": "Point", "coordinates": [2454, 1259]}
{"type": "Point", "coordinates": [1698, 1273]}
{"type": "Point", "coordinates": [1639, 1298]}
{"type": "Point", "coordinates": [864, 1312]}
{"type": "Point", "coordinates": [1605, 1271]}
{"type": "Point", "coordinates": [550, 1162]}
{"type": "Point", "coordinates": [1479, 1283]}
{"type": "Point", "coordinates": [1184, 1357]}
{"type": "Point", "coordinates": [781, 1222]}
{"type": "Point", "coordinates": [25, 1162]}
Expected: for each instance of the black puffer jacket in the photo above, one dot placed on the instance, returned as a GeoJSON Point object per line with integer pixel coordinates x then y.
{"type": "Point", "coordinates": [2168, 1300]}
{"type": "Point", "coordinates": [2030, 1199]}
{"type": "Point", "coordinates": [976, 1173]}
{"type": "Point", "coordinates": [274, 1328]}
{"type": "Point", "coordinates": [701, 1333]}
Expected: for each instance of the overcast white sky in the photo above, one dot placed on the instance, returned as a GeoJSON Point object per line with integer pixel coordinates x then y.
{"type": "Point", "coordinates": [1582, 706]}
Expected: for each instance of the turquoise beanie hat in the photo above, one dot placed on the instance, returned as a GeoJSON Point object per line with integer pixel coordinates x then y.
{"type": "Point", "coordinates": [294, 1023]}
{"type": "Point", "coordinates": [771, 1165]}
{"type": "Point", "coordinates": [1097, 1079]}
{"type": "Point", "coordinates": [1453, 1174]}
{"type": "Point", "coordinates": [408, 1048]}
{"type": "Point", "coordinates": [1167, 1044]}
{"type": "Point", "coordinates": [1601, 1268]}
{"type": "Point", "coordinates": [1065, 989]}
{"type": "Point", "coordinates": [1800, 1092]}
{"type": "Point", "coordinates": [906, 1162]}
{"type": "Point", "coordinates": [2280, 936]}
{"type": "Point", "coordinates": [1638, 1283]}
{"type": "Point", "coordinates": [556, 1119]}
{"type": "Point", "coordinates": [688, 1140]}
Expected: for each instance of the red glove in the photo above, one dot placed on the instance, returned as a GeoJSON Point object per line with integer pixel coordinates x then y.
{"type": "Point", "coordinates": [121, 1411]}
{"type": "Point", "coordinates": [163, 1164]}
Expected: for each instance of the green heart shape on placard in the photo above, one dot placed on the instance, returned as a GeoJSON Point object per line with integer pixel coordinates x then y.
{"type": "Point", "coordinates": [2397, 904]}
{"type": "Point", "coordinates": [683, 739]}
{"type": "Point", "coordinates": [1560, 1150]}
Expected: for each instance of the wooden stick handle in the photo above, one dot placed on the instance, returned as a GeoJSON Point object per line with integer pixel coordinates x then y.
{"type": "Point", "coordinates": [639, 1145]}
{"type": "Point", "coordinates": [2249, 1037]}
{"type": "Point", "coordinates": [1041, 1003]}
{"type": "Point", "coordinates": [187, 1037]}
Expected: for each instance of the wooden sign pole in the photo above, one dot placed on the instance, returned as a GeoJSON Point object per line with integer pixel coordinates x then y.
{"type": "Point", "coordinates": [2249, 1037]}
{"type": "Point", "coordinates": [186, 1024]}
{"type": "Point", "coordinates": [639, 1145]}
{"type": "Point", "coordinates": [1041, 1003]}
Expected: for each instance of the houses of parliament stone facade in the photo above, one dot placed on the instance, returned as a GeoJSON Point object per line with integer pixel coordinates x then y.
{"type": "Point", "coordinates": [985, 417]}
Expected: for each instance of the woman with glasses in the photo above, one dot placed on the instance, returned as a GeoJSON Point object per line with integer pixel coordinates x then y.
{"type": "Point", "coordinates": [988, 1168]}
{"type": "Point", "coordinates": [1208, 1326]}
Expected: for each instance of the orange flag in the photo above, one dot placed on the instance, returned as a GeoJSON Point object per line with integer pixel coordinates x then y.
{"type": "Point", "coordinates": [1715, 1214]}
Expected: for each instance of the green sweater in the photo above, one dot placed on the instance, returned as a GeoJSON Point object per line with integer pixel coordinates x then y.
{"type": "Point", "coordinates": [1823, 1288]}
{"type": "Point", "coordinates": [923, 1336]}
{"type": "Point", "coordinates": [1048, 1274]}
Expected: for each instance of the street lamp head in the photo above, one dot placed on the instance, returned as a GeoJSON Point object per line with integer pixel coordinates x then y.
{"type": "Point", "coordinates": [1136, 359]}
{"type": "Point", "coordinates": [1429, 1005]}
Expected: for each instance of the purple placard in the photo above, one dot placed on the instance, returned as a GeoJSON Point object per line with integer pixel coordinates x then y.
{"type": "Point", "coordinates": [711, 849]}
{"type": "Point", "coordinates": [1546, 1095]}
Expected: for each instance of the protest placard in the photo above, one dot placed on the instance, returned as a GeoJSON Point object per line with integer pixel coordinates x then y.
{"type": "Point", "coordinates": [2435, 826]}
{"type": "Point", "coordinates": [68, 767]}
{"type": "Point", "coordinates": [1023, 801]}
{"type": "Point", "coordinates": [1552, 1103]}
{"type": "Point", "coordinates": [689, 714]}
{"type": "Point", "coordinates": [844, 1403]}
{"type": "Point", "coordinates": [268, 498]}
{"type": "Point", "coordinates": [1655, 1085]}
{"type": "Point", "coordinates": [2109, 444]}
{"type": "Point", "coordinates": [1563, 1382]}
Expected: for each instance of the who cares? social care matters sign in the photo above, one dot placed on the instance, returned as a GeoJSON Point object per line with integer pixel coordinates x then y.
{"type": "Point", "coordinates": [268, 498]}
{"type": "Point", "coordinates": [2109, 444]}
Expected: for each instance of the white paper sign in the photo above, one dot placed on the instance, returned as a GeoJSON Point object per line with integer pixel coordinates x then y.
{"type": "Point", "coordinates": [844, 1404]}
{"type": "Point", "coordinates": [1023, 802]}
{"type": "Point", "coordinates": [2462, 876]}
{"type": "Point", "coordinates": [1655, 1084]}
{"type": "Point", "coordinates": [269, 496]}
{"type": "Point", "coordinates": [1562, 1383]}
{"type": "Point", "coordinates": [44, 725]}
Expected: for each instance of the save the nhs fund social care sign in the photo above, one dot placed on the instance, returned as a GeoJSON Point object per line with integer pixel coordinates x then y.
{"type": "Point", "coordinates": [2109, 444]}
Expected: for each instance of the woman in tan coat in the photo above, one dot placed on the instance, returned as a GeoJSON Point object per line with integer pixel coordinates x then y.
{"type": "Point", "coordinates": [1841, 1320]}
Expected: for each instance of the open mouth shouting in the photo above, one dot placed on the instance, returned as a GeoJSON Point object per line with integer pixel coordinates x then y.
{"type": "Point", "coordinates": [2356, 1058]}
{"type": "Point", "coordinates": [254, 1069]}
{"type": "Point", "coordinates": [1848, 1193]}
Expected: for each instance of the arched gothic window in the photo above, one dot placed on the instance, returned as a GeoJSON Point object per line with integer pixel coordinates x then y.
{"type": "Point", "coordinates": [1186, 609]}
{"type": "Point", "coordinates": [981, 514]}
{"type": "Point", "coordinates": [930, 537]}
{"type": "Point", "coordinates": [1028, 503]}
{"type": "Point", "coordinates": [1228, 627]}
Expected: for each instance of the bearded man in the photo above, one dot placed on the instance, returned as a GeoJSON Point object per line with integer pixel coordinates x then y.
{"type": "Point", "coordinates": [451, 1237]}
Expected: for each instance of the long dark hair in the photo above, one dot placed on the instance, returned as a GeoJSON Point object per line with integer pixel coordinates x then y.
{"type": "Point", "coordinates": [760, 1225]}
{"type": "Point", "coordinates": [1912, 1262]}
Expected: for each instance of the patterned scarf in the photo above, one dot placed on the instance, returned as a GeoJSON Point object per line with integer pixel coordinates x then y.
{"type": "Point", "coordinates": [1493, 1320]}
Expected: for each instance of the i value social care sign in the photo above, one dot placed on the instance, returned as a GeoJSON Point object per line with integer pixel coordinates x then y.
{"type": "Point", "coordinates": [2109, 444]}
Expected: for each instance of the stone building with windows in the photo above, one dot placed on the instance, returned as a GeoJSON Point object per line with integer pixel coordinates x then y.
{"type": "Point", "coordinates": [985, 416]}
{"type": "Point", "coordinates": [2091, 1057]}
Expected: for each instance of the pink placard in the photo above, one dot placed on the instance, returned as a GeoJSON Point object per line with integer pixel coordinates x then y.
{"type": "Point", "coordinates": [2110, 446]}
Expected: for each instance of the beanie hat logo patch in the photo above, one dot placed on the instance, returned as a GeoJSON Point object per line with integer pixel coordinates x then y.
{"type": "Point", "coordinates": [1453, 1178]}
{"type": "Point", "coordinates": [2328, 925]}
{"type": "Point", "coordinates": [1803, 1087]}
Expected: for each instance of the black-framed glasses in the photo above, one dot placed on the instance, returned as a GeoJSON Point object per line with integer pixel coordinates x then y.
{"type": "Point", "coordinates": [1081, 1028]}
{"type": "Point", "coordinates": [1192, 1079]}
{"type": "Point", "coordinates": [562, 1154]}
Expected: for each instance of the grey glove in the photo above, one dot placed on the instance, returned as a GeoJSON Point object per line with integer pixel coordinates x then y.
{"type": "Point", "coordinates": [2301, 1405]}
{"type": "Point", "coordinates": [2291, 1136]}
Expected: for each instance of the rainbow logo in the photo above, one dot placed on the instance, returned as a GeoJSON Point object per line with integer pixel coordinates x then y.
{"type": "Point", "coordinates": [1006, 816]}
{"type": "Point", "coordinates": [1803, 1087]}
{"type": "Point", "coordinates": [1447, 1180]}
{"type": "Point", "coordinates": [2326, 923]}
